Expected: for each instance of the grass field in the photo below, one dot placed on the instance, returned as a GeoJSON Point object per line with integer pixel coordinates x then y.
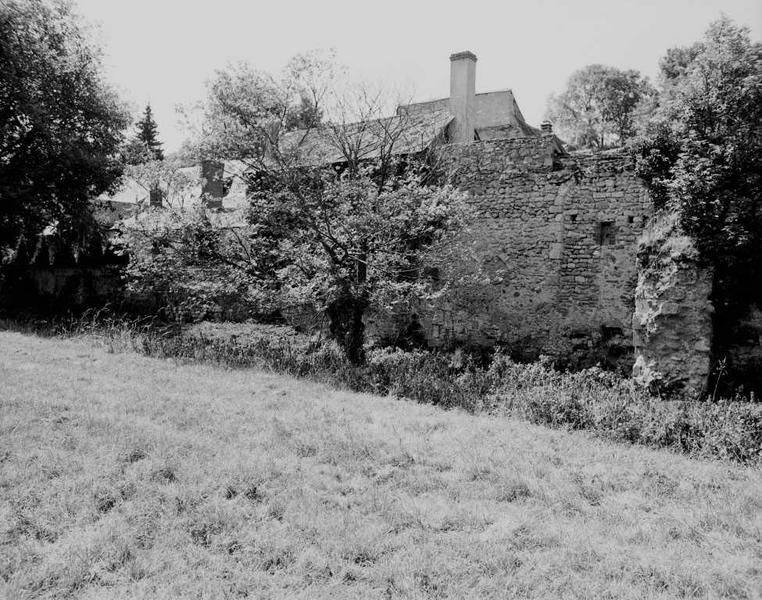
{"type": "Point", "coordinates": [123, 476]}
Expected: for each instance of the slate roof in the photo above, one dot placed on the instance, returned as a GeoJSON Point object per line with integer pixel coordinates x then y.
{"type": "Point", "coordinates": [123, 202]}
{"type": "Point", "coordinates": [323, 145]}
{"type": "Point", "coordinates": [496, 115]}
{"type": "Point", "coordinates": [108, 211]}
{"type": "Point", "coordinates": [415, 126]}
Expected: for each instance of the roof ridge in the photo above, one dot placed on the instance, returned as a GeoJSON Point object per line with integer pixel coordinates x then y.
{"type": "Point", "coordinates": [498, 91]}
{"type": "Point", "coordinates": [328, 124]}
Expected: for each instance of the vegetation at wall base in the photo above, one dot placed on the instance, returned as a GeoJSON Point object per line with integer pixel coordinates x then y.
{"type": "Point", "coordinates": [592, 399]}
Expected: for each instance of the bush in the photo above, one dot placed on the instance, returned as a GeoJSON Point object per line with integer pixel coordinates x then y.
{"type": "Point", "coordinates": [593, 399]}
{"type": "Point", "coordinates": [190, 266]}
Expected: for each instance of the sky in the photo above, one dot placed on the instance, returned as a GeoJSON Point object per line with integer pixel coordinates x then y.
{"type": "Point", "coordinates": [162, 51]}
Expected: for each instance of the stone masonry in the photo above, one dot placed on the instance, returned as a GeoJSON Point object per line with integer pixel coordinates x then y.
{"type": "Point", "coordinates": [556, 237]}
{"type": "Point", "coordinates": [558, 233]}
{"type": "Point", "coordinates": [672, 326]}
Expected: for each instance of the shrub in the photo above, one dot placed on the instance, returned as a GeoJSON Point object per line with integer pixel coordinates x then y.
{"type": "Point", "coordinates": [592, 399]}
{"type": "Point", "coordinates": [190, 265]}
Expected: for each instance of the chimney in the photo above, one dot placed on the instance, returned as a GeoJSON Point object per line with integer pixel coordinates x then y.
{"type": "Point", "coordinates": [155, 196]}
{"type": "Point", "coordinates": [546, 127]}
{"type": "Point", "coordinates": [212, 187]}
{"type": "Point", "coordinates": [462, 96]}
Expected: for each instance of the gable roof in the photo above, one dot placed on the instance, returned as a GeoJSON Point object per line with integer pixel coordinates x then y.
{"type": "Point", "coordinates": [131, 194]}
{"type": "Point", "coordinates": [108, 211]}
{"type": "Point", "coordinates": [328, 144]}
{"type": "Point", "coordinates": [496, 114]}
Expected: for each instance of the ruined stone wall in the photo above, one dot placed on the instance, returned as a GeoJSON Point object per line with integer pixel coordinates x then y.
{"type": "Point", "coordinates": [672, 322]}
{"type": "Point", "coordinates": [557, 235]}
{"type": "Point", "coordinates": [672, 329]}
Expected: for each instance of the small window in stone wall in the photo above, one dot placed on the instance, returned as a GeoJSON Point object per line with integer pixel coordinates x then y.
{"type": "Point", "coordinates": [606, 233]}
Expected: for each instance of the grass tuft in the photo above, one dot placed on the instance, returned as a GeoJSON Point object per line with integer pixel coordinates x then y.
{"type": "Point", "coordinates": [592, 399]}
{"type": "Point", "coordinates": [252, 484]}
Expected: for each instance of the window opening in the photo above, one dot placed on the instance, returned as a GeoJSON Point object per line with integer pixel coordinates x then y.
{"type": "Point", "coordinates": [606, 233]}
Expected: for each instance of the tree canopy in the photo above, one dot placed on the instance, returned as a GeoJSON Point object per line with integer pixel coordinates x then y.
{"type": "Point", "coordinates": [364, 232]}
{"type": "Point", "coordinates": [60, 124]}
{"type": "Point", "coordinates": [597, 108]}
{"type": "Point", "coordinates": [346, 245]}
{"type": "Point", "coordinates": [144, 146]}
{"type": "Point", "coordinates": [246, 110]}
{"type": "Point", "coordinates": [700, 153]}
{"type": "Point", "coordinates": [701, 149]}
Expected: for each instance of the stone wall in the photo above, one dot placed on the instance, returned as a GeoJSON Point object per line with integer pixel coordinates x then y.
{"type": "Point", "coordinates": [59, 288]}
{"type": "Point", "coordinates": [672, 322]}
{"type": "Point", "coordinates": [558, 235]}
{"type": "Point", "coordinates": [212, 185]}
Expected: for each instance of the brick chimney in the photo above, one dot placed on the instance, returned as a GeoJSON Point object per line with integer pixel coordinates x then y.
{"type": "Point", "coordinates": [212, 187]}
{"type": "Point", "coordinates": [546, 127]}
{"type": "Point", "coordinates": [462, 96]}
{"type": "Point", "coordinates": [155, 196]}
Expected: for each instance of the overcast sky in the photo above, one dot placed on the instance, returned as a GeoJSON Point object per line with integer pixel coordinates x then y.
{"type": "Point", "coordinates": [162, 50]}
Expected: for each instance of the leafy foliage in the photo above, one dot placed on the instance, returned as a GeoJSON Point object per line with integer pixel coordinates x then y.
{"type": "Point", "coordinates": [186, 263]}
{"type": "Point", "coordinates": [60, 125]}
{"type": "Point", "coordinates": [348, 244]}
{"type": "Point", "coordinates": [591, 399]}
{"type": "Point", "coordinates": [144, 146]}
{"type": "Point", "coordinates": [341, 249]}
{"type": "Point", "coordinates": [246, 110]}
{"type": "Point", "coordinates": [339, 238]}
{"type": "Point", "coordinates": [700, 153]}
{"type": "Point", "coordinates": [702, 149]}
{"type": "Point", "coordinates": [176, 184]}
{"type": "Point", "coordinates": [598, 106]}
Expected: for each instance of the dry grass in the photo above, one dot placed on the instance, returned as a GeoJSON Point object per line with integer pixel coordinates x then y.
{"type": "Point", "coordinates": [123, 476]}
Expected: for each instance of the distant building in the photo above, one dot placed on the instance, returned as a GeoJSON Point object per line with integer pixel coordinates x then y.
{"type": "Point", "coordinates": [559, 232]}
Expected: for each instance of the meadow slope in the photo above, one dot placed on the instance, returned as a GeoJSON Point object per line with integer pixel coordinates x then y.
{"type": "Point", "coordinates": [123, 476]}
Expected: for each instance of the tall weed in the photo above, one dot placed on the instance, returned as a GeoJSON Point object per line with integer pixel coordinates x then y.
{"type": "Point", "coordinates": [591, 399]}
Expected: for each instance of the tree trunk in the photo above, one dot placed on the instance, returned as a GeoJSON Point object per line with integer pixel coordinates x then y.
{"type": "Point", "coordinates": [346, 326]}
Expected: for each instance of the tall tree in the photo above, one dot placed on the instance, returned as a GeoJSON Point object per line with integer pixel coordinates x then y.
{"type": "Point", "coordinates": [246, 110]}
{"type": "Point", "coordinates": [60, 125]}
{"type": "Point", "coordinates": [147, 135]}
{"type": "Point", "coordinates": [700, 152]}
{"type": "Point", "coordinates": [597, 108]}
{"type": "Point", "coordinates": [334, 221]}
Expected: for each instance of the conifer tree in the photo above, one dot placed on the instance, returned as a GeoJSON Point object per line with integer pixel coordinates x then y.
{"type": "Point", "coordinates": [148, 134]}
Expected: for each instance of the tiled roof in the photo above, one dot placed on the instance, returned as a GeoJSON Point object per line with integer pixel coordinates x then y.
{"type": "Point", "coordinates": [320, 146]}
{"type": "Point", "coordinates": [108, 211]}
{"type": "Point", "coordinates": [496, 114]}
{"type": "Point", "coordinates": [410, 133]}
{"type": "Point", "coordinates": [131, 193]}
